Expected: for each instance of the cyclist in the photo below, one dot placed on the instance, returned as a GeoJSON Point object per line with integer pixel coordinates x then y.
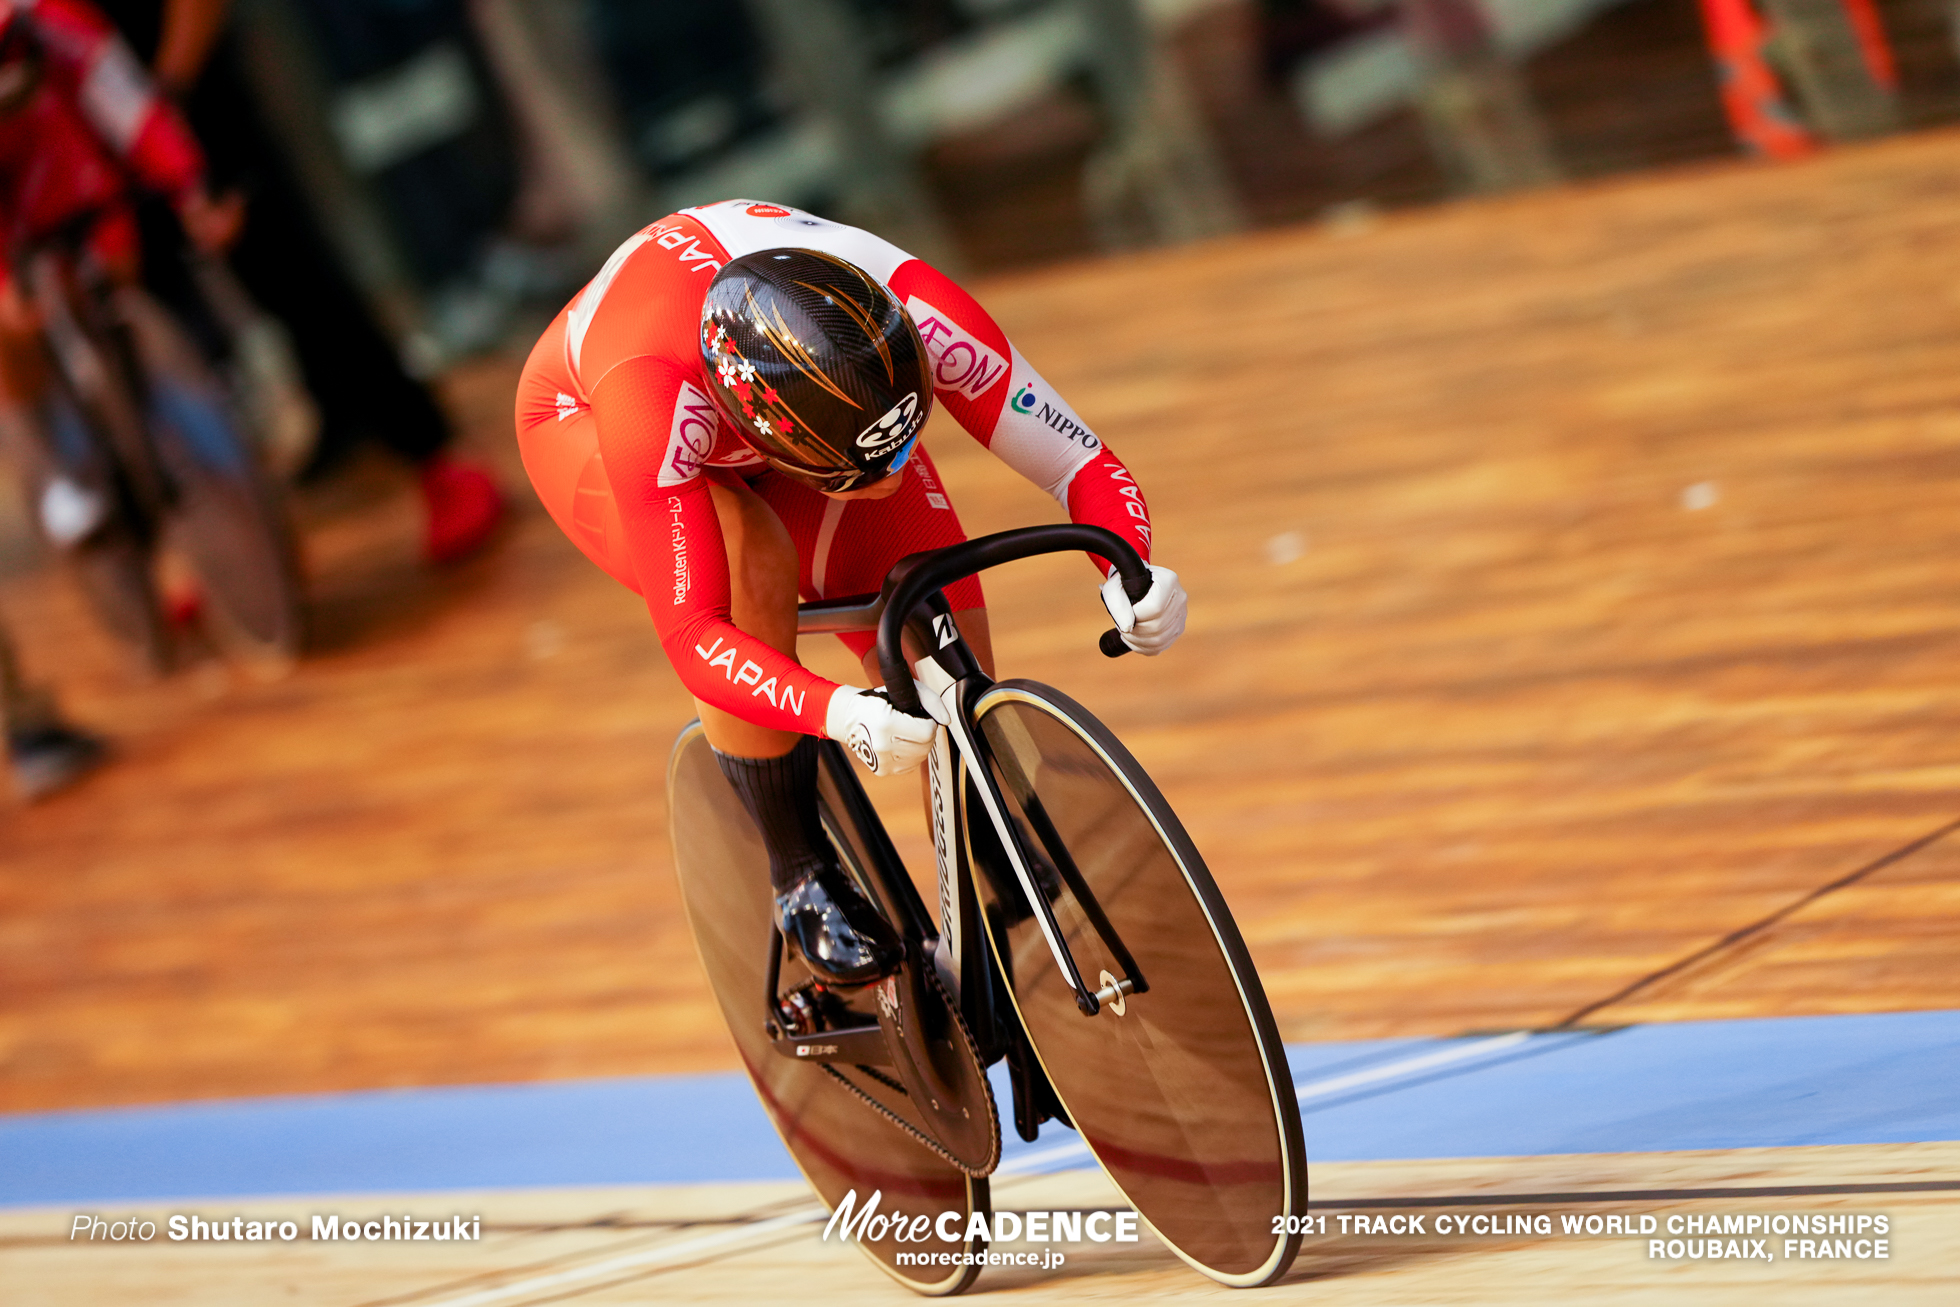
{"type": "Point", "coordinates": [78, 116]}
{"type": "Point", "coordinates": [289, 267]}
{"type": "Point", "coordinates": [728, 416]}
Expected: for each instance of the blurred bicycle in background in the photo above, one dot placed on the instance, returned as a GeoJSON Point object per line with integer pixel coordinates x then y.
{"type": "Point", "coordinates": [130, 446]}
{"type": "Point", "coordinates": [142, 453]}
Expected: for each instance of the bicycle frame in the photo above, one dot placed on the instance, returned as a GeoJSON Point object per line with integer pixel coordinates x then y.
{"type": "Point", "coordinates": [94, 357]}
{"type": "Point", "coordinates": [953, 681]}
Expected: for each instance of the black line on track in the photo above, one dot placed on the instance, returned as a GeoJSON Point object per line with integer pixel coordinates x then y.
{"type": "Point", "coordinates": [1645, 1195]}
{"type": "Point", "coordinates": [1735, 937]}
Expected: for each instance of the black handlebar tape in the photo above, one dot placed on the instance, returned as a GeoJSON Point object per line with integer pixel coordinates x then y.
{"type": "Point", "coordinates": [918, 575]}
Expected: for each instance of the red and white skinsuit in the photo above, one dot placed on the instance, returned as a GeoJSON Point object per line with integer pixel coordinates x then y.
{"type": "Point", "coordinates": [621, 439]}
{"type": "Point", "coordinates": [93, 122]}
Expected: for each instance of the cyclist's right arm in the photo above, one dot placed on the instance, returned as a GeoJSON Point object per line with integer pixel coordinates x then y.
{"type": "Point", "coordinates": [648, 411]}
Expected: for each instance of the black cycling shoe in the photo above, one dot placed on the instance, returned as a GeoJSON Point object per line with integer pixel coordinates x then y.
{"type": "Point", "coordinates": [51, 758]}
{"type": "Point", "coordinates": [840, 936]}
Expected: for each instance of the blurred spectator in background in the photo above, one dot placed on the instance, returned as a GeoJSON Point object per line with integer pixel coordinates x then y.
{"type": "Point", "coordinates": [44, 754]}
{"type": "Point", "coordinates": [353, 370]}
{"type": "Point", "coordinates": [1294, 29]}
{"type": "Point", "coordinates": [690, 78]}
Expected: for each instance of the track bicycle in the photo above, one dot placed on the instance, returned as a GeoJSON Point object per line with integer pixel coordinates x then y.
{"type": "Point", "coordinates": [1078, 936]}
{"type": "Point", "coordinates": [147, 454]}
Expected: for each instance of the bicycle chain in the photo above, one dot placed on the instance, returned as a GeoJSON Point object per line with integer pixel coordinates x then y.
{"type": "Point", "coordinates": [986, 1088]}
{"type": "Point", "coordinates": [889, 1082]}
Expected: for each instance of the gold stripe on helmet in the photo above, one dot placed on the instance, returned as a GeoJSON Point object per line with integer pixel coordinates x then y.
{"type": "Point", "coordinates": [871, 330]}
{"type": "Point", "coordinates": [780, 336]}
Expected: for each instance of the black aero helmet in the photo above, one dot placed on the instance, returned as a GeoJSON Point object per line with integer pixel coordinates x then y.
{"type": "Point", "coordinates": [817, 365]}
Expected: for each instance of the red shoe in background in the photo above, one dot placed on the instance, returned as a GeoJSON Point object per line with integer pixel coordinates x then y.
{"type": "Point", "coordinates": [183, 602]}
{"type": "Point", "coordinates": [464, 507]}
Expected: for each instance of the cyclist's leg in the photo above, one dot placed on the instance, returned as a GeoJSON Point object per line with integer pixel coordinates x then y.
{"type": "Point", "coordinates": [847, 547]}
{"type": "Point", "coordinates": [833, 927]}
{"type": "Point", "coordinates": [23, 707]}
{"type": "Point", "coordinates": [23, 367]}
{"type": "Point", "coordinates": [41, 432]}
{"type": "Point", "coordinates": [24, 380]}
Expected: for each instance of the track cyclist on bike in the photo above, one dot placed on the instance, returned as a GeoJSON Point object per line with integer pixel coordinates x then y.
{"type": "Point", "coordinates": [79, 120]}
{"type": "Point", "coordinates": [728, 416]}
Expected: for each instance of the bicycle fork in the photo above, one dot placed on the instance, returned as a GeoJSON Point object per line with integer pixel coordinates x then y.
{"type": "Point", "coordinates": [950, 692]}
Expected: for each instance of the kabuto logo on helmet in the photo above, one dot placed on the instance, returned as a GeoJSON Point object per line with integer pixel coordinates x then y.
{"type": "Point", "coordinates": [894, 428]}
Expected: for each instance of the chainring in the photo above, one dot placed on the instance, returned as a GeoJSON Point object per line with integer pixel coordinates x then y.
{"type": "Point", "coordinates": [948, 1103]}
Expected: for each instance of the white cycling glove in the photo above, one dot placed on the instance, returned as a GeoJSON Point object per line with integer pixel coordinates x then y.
{"type": "Point", "coordinates": [884, 739]}
{"type": "Point", "coordinates": [1154, 622]}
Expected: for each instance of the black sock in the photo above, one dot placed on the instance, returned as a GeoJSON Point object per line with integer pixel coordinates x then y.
{"type": "Point", "coordinates": [781, 795]}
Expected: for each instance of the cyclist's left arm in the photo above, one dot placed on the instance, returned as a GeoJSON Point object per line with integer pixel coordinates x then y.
{"type": "Point", "coordinates": [1007, 406]}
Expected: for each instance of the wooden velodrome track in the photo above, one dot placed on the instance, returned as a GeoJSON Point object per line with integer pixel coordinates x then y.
{"type": "Point", "coordinates": [1576, 592]}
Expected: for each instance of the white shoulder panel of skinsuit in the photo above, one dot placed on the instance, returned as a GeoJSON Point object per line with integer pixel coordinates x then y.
{"type": "Point", "coordinates": [745, 226]}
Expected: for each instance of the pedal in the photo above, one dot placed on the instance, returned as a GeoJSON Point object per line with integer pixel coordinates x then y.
{"type": "Point", "coordinates": [801, 1011]}
{"type": "Point", "coordinates": [812, 1025]}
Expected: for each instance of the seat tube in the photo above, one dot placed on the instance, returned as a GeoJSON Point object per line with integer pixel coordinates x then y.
{"type": "Point", "coordinates": [943, 788]}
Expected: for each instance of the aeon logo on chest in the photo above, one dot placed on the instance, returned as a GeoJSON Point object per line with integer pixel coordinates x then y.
{"type": "Point", "coordinates": [960, 362]}
{"type": "Point", "coordinates": [691, 438]}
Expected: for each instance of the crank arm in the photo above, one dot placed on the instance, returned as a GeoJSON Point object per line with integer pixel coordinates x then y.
{"type": "Point", "coordinates": [856, 1045]}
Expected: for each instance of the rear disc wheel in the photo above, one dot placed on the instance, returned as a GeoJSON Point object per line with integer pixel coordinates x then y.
{"type": "Point", "coordinates": [838, 1141]}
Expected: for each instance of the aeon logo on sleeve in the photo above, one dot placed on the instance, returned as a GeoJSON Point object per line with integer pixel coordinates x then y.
{"type": "Point", "coordinates": [893, 429]}
{"type": "Point", "coordinates": [691, 439]}
{"type": "Point", "coordinates": [960, 362]}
